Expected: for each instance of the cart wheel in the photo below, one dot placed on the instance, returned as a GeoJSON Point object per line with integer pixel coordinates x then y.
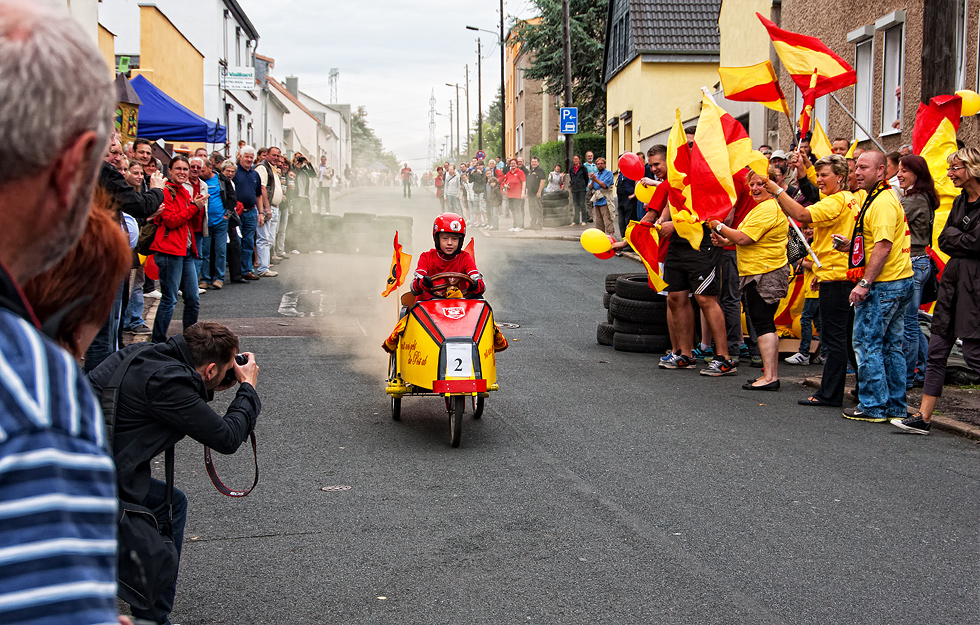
{"type": "Point", "coordinates": [396, 408]}
{"type": "Point", "coordinates": [478, 407]}
{"type": "Point", "coordinates": [456, 420]}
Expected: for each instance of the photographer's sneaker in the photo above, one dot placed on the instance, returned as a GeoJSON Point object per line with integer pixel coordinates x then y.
{"type": "Point", "coordinates": [913, 424]}
{"type": "Point", "coordinates": [798, 359]}
{"type": "Point", "coordinates": [677, 361]}
{"type": "Point", "coordinates": [719, 367]}
{"type": "Point", "coordinates": [268, 273]}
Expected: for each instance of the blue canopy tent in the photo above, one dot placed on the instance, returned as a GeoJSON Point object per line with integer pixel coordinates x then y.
{"type": "Point", "coordinates": [162, 117]}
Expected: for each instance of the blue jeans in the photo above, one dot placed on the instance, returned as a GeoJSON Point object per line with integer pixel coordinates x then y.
{"type": "Point", "coordinates": [808, 318]}
{"type": "Point", "coordinates": [915, 342]}
{"type": "Point", "coordinates": [579, 214]}
{"type": "Point", "coordinates": [216, 240]}
{"type": "Point", "coordinates": [133, 317]}
{"type": "Point", "coordinates": [106, 342]}
{"type": "Point", "coordinates": [176, 273]}
{"type": "Point", "coordinates": [879, 325]}
{"type": "Point", "coordinates": [156, 501]}
{"type": "Point", "coordinates": [250, 221]}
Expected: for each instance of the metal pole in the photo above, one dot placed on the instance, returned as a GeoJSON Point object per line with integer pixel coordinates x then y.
{"type": "Point", "coordinates": [479, 95]}
{"type": "Point", "coordinates": [851, 115]}
{"type": "Point", "coordinates": [503, 89]}
{"type": "Point", "coordinates": [458, 135]}
{"type": "Point", "coordinates": [567, 53]}
{"type": "Point", "coordinates": [468, 150]}
{"type": "Point", "coordinates": [450, 126]}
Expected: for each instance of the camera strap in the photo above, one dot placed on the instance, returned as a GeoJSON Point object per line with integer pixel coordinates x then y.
{"type": "Point", "coordinates": [218, 484]}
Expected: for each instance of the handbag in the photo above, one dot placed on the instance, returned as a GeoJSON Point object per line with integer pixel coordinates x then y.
{"type": "Point", "coordinates": [147, 557]}
{"type": "Point", "coordinates": [930, 289]}
{"type": "Point", "coordinates": [147, 234]}
{"type": "Point", "coordinates": [795, 250]}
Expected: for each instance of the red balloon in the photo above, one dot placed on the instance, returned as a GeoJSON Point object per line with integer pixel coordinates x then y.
{"type": "Point", "coordinates": [150, 268]}
{"type": "Point", "coordinates": [605, 255]}
{"type": "Point", "coordinates": [631, 166]}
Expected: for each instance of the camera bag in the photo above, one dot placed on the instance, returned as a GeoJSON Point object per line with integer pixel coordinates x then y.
{"type": "Point", "coordinates": [147, 557]}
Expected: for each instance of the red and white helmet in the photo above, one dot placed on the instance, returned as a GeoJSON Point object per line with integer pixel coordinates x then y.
{"type": "Point", "coordinates": [449, 223]}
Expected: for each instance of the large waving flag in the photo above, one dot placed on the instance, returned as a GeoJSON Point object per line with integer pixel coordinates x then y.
{"type": "Point", "coordinates": [755, 83]}
{"type": "Point", "coordinates": [645, 239]}
{"type": "Point", "coordinates": [400, 264]}
{"type": "Point", "coordinates": [804, 56]}
{"type": "Point", "coordinates": [934, 139]}
{"type": "Point", "coordinates": [682, 213]}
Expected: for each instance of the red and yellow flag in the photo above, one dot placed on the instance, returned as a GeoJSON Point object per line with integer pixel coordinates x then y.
{"type": "Point", "coordinates": [400, 264]}
{"type": "Point", "coordinates": [755, 83]}
{"type": "Point", "coordinates": [820, 145]}
{"type": "Point", "coordinates": [682, 213]}
{"type": "Point", "coordinates": [645, 239]}
{"type": "Point", "coordinates": [804, 56]}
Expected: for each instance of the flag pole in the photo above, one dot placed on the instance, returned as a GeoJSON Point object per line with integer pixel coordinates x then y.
{"type": "Point", "coordinates": [851, 115]}
{"type": "Point", "coordinates": [816, 261]}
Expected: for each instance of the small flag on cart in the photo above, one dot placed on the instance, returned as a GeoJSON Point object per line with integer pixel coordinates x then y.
{"type": "Point", "coordinates": [400, 264]}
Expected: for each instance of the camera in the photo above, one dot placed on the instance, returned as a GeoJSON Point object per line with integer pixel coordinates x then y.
{"type": "Point", "coordinates": [241, 360]}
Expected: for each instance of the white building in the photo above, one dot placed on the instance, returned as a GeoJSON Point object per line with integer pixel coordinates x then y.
{"type": "Point", "coordinates": [223, 34]}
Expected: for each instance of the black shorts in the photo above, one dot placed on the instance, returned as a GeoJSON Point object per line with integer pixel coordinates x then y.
{"type": "Point", "coordinates": [687, 269]}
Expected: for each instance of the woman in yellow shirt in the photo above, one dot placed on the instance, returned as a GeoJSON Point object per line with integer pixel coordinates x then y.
{"type": "Point", "coordinates": [834, 214]}
{"type": "Point", "coordinates": [763, 272]}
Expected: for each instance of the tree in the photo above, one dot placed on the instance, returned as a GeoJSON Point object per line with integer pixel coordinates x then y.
{"type": "Point", "coordinates": [366, 147]}
{"type": "Point", "coordinates": [544, 41]}
{"type": "Point", "coordinates": [491, 129]}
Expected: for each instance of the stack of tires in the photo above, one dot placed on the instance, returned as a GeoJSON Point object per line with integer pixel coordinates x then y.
{"type": "Point", "coordinates": [385, 227]}
{"type": "Point", "coordinates": [556, 208]}
{"type": "Point", "coordinates": [636, 316]}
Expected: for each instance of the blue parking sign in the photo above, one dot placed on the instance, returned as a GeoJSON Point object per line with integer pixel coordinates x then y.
{"type": "Point", "coordinates": [568, 120]}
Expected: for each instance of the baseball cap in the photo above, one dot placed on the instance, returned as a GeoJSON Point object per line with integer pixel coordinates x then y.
{"type": "Point", "coordinates": [778, 154]}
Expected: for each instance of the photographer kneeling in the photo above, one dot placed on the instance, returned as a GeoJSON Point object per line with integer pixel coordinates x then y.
{"type": "Point", "coordinates": [162, 397]}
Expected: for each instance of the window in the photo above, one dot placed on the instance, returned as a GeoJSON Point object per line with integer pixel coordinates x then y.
{"type": "Point", "coordinates": [893, 70]}
{"type": "Point", "coordinates": [614, 46]}
{"type": "Point", "coordinates": [820, 108]}
{"type": "Point", "coordinates": [960, 49]}
{"type": "Point", "coordinates": [238, 46]}
{"type": "Point", "coordinates": [624, 31]}
{"type": "Point", "coordinates": [864, 88]}
{"type": "Point", "coordinates": [628, 136]}
{"type": "Point", "coordinates": [614, 140]}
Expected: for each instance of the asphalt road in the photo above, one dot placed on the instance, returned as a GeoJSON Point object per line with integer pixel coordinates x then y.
{"type": "Point", "coordinates": [596, 489]}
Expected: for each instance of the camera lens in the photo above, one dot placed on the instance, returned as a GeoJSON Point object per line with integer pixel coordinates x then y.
{"type": "Point", "coordinates": [241, 359]}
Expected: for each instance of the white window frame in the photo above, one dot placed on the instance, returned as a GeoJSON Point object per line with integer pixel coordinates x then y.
{"type": "Point", "coordinates": [889, 25]}
{"type": "Point", "coordinates": [864, 65]}
{"type": "Point", "coordinates": [960, 49]}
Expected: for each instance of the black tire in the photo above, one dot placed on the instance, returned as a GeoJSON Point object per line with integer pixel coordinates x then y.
{"type": "Point", "coordinates": [550, 204]}
{"type": "Point", "coordinates": [631, 327]}
{"type": "Point", "coordinates": [611, 280]}
{"type": "Point", "coordinates": [557, 222]}
{"type": "Point", "coordinates": [605, 300]}
{"type": "Point", "coordinates": [604, 334]}
{"type": "Point", "coordinates": [638, 311]}
{"type": "Point", "coordinates": [557, 211]}
{"type": "Point", "coordinates": [609, 316]}
{"type": "Point", "coordinates": [457, 405]}
{"type": "Point", "coordinates": [396, 408]}
{"type": "Point", "coordinates": [554, 195]}
{"type": "Point", "coordinates": [365, 218]}
{"type": "Point", "coordinates": [641, 343]}
{"type": "Point", "coordinates": [637, 287]}
{"type": "Point", "coordinates": [478, 408]}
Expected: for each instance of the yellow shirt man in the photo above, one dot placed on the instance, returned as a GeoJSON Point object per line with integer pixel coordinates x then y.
{"type": "Point", "coordinates": [885, 221]}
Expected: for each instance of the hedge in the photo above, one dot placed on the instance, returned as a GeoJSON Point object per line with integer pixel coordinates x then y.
{"type": "Point", "coordinates": [554, 151]}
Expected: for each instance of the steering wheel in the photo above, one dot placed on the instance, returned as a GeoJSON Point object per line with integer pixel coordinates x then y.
{"type": "Point", "coordinates": [442, 282]}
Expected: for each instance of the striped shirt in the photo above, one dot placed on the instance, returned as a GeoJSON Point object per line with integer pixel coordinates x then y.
{"type": "Point", "coordinates": [57, 488]}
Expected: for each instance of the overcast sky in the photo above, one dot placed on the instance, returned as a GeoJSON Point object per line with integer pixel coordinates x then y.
{"type": "Point", "coordinates": [391, 56]}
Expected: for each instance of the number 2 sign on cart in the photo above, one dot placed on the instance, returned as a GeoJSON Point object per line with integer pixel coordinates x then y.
{"type": "Point", "coordinates": [459, 360]}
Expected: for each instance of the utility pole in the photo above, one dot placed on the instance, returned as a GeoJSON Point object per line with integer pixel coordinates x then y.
{"type": "Point", "coordinates": [468, 150]}
{"type": "Point", "coordinates": [450, 125]}
{"type": "Point", "coordinates": [503, 89]}
{"type": "Point", "coordinates": [567, 45]}
{"type": "Point", "coordinates": [457, 119]}
{"type": "Point", "coordinates": [938, 20]}
{"type": "Point", "coordinates": [479, 96]}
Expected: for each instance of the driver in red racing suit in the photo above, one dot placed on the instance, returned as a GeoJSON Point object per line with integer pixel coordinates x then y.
{"type": "Point", "coordinates": [448, 256]}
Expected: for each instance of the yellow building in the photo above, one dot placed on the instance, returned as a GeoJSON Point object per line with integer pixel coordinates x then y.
{"type": "Point", "coordinates": [169, 60]}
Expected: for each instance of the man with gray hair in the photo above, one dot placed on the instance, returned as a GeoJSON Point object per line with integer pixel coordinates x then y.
{"type": "Point", "coordinates": [248, 188]}
{"type": "Point", "coordinates": [57, 481]}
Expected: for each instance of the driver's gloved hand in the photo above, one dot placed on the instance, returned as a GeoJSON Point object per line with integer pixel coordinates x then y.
{"type": "Point", "coordinates": [427, 282]}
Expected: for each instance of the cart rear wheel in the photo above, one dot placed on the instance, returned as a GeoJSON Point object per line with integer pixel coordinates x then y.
{"type": "Point", "coordinates": [456, 407]}
{"type": "Point", "coordinates": [478, 407]}
{"type": "Point", "coordinates": [396, 408]}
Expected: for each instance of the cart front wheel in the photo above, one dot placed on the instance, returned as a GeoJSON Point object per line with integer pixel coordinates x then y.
{"type": "Point", "coordinates": [396, 408]}
{"type": "Point", "coordinates": [478, 408]}
{"type": "Point", "coordinates": [456, 408]}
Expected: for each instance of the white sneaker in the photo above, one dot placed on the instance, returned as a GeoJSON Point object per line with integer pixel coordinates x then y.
{"type": "Point", "coordinates": [268, 273]}
{"type": "Point", "coordinates": [200, 291]}
{"type": "Point", "coordinates": [518, 229]}
{"type": "Point", "coordinates": [297, 252]}
{"type": "Point", "coordinates": [154, 294]}
{"type": "Point", "coordinates": [797, 359]}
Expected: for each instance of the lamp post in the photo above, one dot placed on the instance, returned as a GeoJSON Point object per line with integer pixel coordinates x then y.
{"type": "Point", "coordinates": [503, 89]}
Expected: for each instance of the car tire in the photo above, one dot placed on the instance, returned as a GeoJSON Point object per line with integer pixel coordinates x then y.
{"type": "Point", "coordinates": [605, 300]}
{"type": "Point", "coordinates": [604, 334]}
{"type": "Point", "coordinates": [641, 343]}
{"type": "Point", "coordinates": [611, 280]}
{"type": "Point", "coordinates": [637, 287]}
{"type": "Point", "coordinates": [638, 311]}
{"type": "Point", "coordinates": [631, 327]}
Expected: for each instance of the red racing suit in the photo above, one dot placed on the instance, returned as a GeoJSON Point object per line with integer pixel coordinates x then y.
{"type": "Point", "coordinates": [432, 263]}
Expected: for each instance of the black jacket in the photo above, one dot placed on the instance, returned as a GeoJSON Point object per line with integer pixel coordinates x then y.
{"type": "Point", "coordinates": [126, 198]}
{"type": "Point", "coordinates": [579, 181]}
{"type": "Point", "coordinates": [958, 303]}
{"type": "Point", "coordinates": [161, 400]}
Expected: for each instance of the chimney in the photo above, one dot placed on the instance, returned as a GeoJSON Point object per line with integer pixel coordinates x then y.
{"type": "Point", "coordinates": [292, 85]}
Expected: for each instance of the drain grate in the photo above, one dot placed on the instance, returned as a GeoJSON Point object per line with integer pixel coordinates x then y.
{"type": "Point", "coordinates": [508, 326]}
{"type": "Point", "coordinates": [333, 489]}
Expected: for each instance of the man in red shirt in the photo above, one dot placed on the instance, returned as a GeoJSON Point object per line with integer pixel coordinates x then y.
{"type": "Point", "coordinates": [514, 184]}
{"type": "Point", "coordinates": [407, 181]}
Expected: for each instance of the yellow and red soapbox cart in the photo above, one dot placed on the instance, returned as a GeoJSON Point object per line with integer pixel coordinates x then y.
{"type": "Point", "coordinates": [444, 347]}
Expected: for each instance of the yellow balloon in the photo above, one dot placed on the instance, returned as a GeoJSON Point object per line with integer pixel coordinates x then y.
{"type": "Point", "coordinates": [643, 193]}
{"type": "Point", "coordinates": [595, 241]}
{"type": "Point", "coordinates": [971, 102]}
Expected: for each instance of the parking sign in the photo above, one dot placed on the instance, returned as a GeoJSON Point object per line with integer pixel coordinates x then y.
{"type": "Point", "coordinates": [569, 120]}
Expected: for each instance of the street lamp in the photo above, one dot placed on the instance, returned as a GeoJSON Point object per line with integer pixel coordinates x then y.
{"type": "Point", "coordinates": [503, 95]}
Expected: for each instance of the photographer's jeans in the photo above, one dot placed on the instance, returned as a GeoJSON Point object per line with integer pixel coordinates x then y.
{"type": "Point", "coordinates": [156, 501]}
{"type": "Point", "coordinates": [915, 342]}
{"type": "Point", "coordinates": [879, 327]}
{"type": "Point", "coordinates": [217, 240]}
{"type": "Point", "coordinates": [250, 220]}
{"type": "Point", "coordinates": [176, 273]}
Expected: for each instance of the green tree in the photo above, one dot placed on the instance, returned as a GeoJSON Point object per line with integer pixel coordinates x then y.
{"type": "Point", "coordinates": [544, 40]}
{"type": "Point", "coordinates": [366, 146]}
{"type": "Point", "coordinates": [491, 129]}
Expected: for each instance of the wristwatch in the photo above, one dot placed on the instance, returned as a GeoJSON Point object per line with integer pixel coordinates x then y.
{"type": "Point", "coordinates": [719, 227]}
{"type": "Point", "coordinates": [864, 283]}
{"type": "Point", "coordinates": [778, 191]}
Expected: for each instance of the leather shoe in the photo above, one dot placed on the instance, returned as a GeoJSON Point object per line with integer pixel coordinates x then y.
{"type": "Point", "coordinates": [239, 280]}
{"type": "Point", "coordinates": [771, 386]}
{"type": "Point", "coordinates": [813, 401]}
{"type": "Point", "coordinates": [250, 276]}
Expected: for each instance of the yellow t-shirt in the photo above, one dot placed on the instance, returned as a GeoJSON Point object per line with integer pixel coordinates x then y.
{"type": "Point", "coordinates": [885, 221]}
{"type": "Point", "coordinates": [768, 227]}
{"type": "Point", "coordinates": [832, 215]}
{"type": "Point", "coordinates": [809, 293]}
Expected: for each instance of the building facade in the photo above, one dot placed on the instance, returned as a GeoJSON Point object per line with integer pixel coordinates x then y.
{"type": "Point", "coordinates": [531, 113]}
